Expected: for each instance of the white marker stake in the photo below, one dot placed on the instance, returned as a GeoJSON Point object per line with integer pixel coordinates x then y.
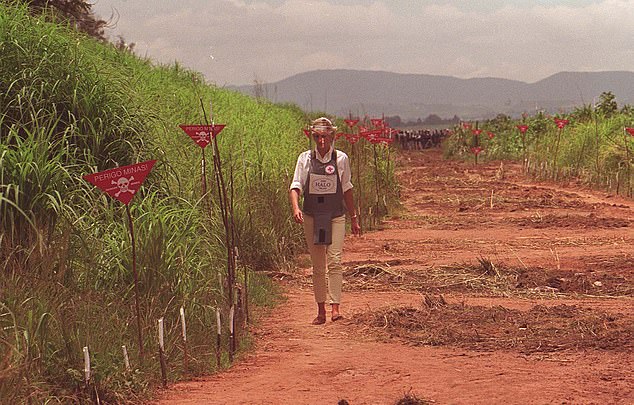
{"type": "Point", "coordinates": [232, 336]}
{"type": "Point", "coordinates": [183, 326]}
{"type": "Point", "coordinates": [218, 324]}
{"type": "Point", "coordinates": [126, 359]}
{"type": "Point", "coordinates": [160, 335]}
{"type": "Point", "coordinates": [231, 314]}
{"type": "Point", "coordinates": [86, 365]}
{"type": "Point", "coordinates": [218, 337]}
{"type": "Point", "coordinates": [162, 353]}
{"type": "Point", "coordinates": [184, 333]}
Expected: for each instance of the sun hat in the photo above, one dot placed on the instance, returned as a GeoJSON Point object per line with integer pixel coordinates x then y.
{"type": "Point", "coordinates": [322, 124]}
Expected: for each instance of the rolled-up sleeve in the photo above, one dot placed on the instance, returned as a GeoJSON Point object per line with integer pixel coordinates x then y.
{"type": "Point", "coordinates": [343, 165]}
{"type": "Point", "coordinates": [301, 172]}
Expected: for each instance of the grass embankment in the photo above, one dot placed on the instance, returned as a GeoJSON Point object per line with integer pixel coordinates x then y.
{"type": "Point", "coordinates": [71, 106]}
{"type": "Point", "coordinates": [589, 145]}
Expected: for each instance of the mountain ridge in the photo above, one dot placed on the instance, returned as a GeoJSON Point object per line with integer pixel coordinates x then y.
{"type": "Point", "coordinates": [412, 96]}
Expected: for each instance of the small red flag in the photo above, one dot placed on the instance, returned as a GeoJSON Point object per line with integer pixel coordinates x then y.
{"type": "Point", "coordinates": [377, 122]}
{"type": "Point", "coordinates": [123, 182]}
{"type": "Point", "coordinates": [371, 134]}
{"type": "Point", "coordinates": [380, 140]}
{"type": "Point", "coordinates": [352, 138]}
{"type": "Point", "coordinates": [200, 133]}
{"type": "Point", "coordinates": [351, 123]}
{"type": "Point", "coordinates": [561, 123]}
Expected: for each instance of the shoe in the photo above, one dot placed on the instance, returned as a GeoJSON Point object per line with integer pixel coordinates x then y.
{"type": "Point", "coordinates": [337, 317]}
{"type": "Point", "coordinates": [319, 320]}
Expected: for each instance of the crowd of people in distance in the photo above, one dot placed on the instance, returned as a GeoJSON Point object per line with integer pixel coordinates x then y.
{"type": "Point", "coordinates": [421, 138]}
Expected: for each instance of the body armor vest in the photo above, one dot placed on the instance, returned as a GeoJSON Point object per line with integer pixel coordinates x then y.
{"type": "Point", "coordinates": [323, 197]}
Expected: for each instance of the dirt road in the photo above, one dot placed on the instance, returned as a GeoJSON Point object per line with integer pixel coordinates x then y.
{"type": "Point", "coordinates": [485, 288]}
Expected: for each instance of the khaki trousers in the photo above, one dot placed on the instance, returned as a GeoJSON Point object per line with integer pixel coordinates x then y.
{"type": "Point", "coordinates": [326, 260]}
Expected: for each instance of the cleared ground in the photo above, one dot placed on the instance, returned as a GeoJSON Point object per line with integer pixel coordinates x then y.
{"type": "Point", "coordinates": [486, 288]}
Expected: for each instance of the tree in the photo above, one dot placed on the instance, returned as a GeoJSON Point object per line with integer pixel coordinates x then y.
{"type": "Point", "coordinates": [607, 106]}
{"type": "Point", "coordinates": [584, 113]}
{"type": "Point", "coordinates": [78, 13]}
{"type": "Point", "coordinates": [394, 121]}
{"type": "Point", "coordinates": [433, 119]}
{"type": "Point", "coordinates": [124, 46]}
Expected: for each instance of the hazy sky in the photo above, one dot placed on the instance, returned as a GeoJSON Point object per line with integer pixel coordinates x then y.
{"type": "Point", "coordinates": [239, 41]}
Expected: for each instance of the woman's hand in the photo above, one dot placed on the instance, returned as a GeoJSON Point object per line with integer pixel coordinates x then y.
{"type": "Point", "coordinates": [355, 227]}
{"type": "Point", "coordinates": [298, 216]}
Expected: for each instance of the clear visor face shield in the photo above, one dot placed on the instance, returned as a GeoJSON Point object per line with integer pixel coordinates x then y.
{"type": "Point", "coordinates": [322, 131]}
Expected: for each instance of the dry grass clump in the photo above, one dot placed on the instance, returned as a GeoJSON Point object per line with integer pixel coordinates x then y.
{"type": "Point", "coordinates": [488, 267]}
{"type": "Point", "coordinates": [433, 302]}
{"type": "Point", "coordinates": [570, 221]}
{"type": "Point", "coordinates": [540, 329]}
{"type": "Point", "coordinates": [411, 399]}
{"type": "Point", "coordinates": [365, 276]}
{"type": "Point", "coordinates": [485, 277]}
{"type": "Point", "coordinates": [606, 277]}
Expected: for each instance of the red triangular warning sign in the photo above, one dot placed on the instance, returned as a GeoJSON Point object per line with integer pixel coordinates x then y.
{"type": "Point", "coordinates": [123, 182]}
{"type": "Point", "coordinates": [351, 122]}
{"type": "Point", "coordinates": [200, 133]}
{"type": "Point", "coordinates": [371, 134]}
{"type": "Point", "coordinates": [377, 122]}
{"type": "Point", "coordinates": [352, 138]}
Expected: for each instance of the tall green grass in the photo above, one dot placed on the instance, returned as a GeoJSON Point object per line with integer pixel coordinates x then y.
{"type": "Point", "coordinates": [69, 106]}
{"type": "Point", "coordinates": [593, 149]}
{"type": "Point", "coordinates": [376, 191]}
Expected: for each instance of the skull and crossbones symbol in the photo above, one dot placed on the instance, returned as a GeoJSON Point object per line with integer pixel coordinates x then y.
{"type": "Point", "coordinates": [123, 184]}
{"type": "Point", "coordinates": [203, 136]}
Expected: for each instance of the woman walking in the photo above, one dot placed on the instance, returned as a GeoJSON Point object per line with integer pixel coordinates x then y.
{"type": "Point", "coordinates": [323, 177]}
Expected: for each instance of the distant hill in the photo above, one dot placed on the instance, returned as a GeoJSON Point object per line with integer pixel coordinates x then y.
{"type": "Point", "coordinates": [413, 96]}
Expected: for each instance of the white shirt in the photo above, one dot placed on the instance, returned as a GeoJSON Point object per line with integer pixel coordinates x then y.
{"type": "Point", "coordinates": [303, 164]}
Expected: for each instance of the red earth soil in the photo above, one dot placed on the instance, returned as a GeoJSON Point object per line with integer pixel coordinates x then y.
{"type": "Point", "coordinates": [485, 288]}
